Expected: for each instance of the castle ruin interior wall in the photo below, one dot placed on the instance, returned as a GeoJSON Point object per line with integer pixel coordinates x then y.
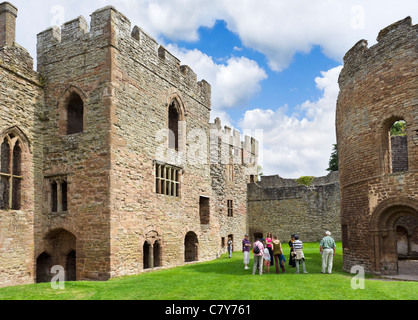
{"type": "Point", "coordinates": [21, 99]}
{"type": "Point", "coordinates": [283, 207]}
{"type": "Point", "coordinates": [107, 194]}
{"type": "Point", "coordinates": [378, 87]}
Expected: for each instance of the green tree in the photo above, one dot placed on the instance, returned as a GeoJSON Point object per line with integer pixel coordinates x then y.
{"type": "Point", "coordinates": [398, 128]}
{"type": "Point", "coordinates": [333, 161]}
{"type": "Point", "coordinates": [305, 180]}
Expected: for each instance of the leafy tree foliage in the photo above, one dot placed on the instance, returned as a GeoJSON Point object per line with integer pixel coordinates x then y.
{"type": "Point", "coordinates": [398, 128]}
{"type": "Point", "coordinates": [333, 161]}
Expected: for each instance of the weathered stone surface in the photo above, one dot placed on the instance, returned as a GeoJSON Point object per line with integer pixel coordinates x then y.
{"type": "Point", "coordinates": [378, 87]}
{"type": "Point", "coordinates": [89, 194]}
{"type": "Point", "coordinates": [283, 207]}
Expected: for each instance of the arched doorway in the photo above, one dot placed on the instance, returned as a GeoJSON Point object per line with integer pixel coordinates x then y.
{"type": "Point", "coordinates": [146, 255]}
{"type": "Point", "coordinates": [392, 222]}
{"type": "Point", "coordinates": [157, 254]}
{"type": "Point", "coordinates": [191, 246]}
{"type": "Point", "coordinates": [402, 241]}
{"type": "Point", "coordinates": [43, 268]}
{"type": "Point", "coordinates": [70, 267]}
{"type": "Point", "coordinates": [60, 250]}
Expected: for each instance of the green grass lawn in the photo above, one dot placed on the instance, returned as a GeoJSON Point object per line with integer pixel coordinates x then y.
{"type": "Point", "coordinates": [226, 279]}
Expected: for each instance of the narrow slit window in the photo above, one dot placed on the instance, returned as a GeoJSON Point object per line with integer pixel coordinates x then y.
{"type": "Point", "coordinates": [75, 115]}
{"type": "Point", "coordinates": [230, 205]}
{"type": "Point", "coordinates": [58, 195]}
{"type": "Point", "coordinates": [173, 126]}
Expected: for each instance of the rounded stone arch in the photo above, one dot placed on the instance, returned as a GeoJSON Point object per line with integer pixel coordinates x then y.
{"type": "Point", "coordinates": [58, 247]}
{"type": "Point", "coordinates": [71, 93]}
{"type": "Point", "coordinates": [385, 142]}
{"type": "Point", "coordinates": [384, 234]}
{"type": "Point", "coordinates": [191, 246]}
{"type": "Point", "coordinates": [391, 209]}
{"type": "Point", "coordinates": [152, 234]}
{"type": "Point", "coordinates": [152, 247]}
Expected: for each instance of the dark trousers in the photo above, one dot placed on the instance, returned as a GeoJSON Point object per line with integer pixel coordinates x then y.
{"type": "Point", "coordinates": [278, 264]}
{"type": "Point", "coordinates": [271, 254]}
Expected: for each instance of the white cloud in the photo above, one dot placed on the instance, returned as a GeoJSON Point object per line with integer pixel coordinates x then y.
{"type": "Point", "coordinates": [295, 147]}
{"type": "Point", "coordinates": [278, 29]}
{"type": "Point", "coordinates": [233, 84]}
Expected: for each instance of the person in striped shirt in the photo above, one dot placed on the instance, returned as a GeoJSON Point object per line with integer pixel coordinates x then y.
{"type": "Point", "coordinates": [299, 256]}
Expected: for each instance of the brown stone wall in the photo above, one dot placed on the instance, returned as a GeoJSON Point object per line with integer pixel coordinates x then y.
{"type": "Point", "coordinates": [20, 99]}
{"type": "Point", "coordinates": [231, 167]}
{"type": "Point", "coordinates": [283, 207]}
{"type": "Point", "coordinates": [378, 87]}
{"type": "Point", "coordinates": [96, 210]}
{"type": "Point", "coordinates": [147, 79]}
{"type": "Point", "coordinates": [76, 60]}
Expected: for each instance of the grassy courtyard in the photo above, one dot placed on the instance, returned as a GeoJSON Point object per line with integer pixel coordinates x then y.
{"type": "Point", "coordinates": [226, 279]}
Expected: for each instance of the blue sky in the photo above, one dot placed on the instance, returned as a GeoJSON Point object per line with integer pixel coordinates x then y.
{"type": "Point", "coordinates": [273, 64]}
{"type": "Point", "coordinates": [293, 85]}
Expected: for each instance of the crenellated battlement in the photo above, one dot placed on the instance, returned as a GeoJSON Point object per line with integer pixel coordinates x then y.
{"type": "Point", "coordinates": [227, 146]}
{"type": "Point", "coordinates": [389, 41]}
{"type": "Point", "coordinates": [110, 27]}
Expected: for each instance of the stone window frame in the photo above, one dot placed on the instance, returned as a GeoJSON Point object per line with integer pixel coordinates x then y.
{"type": "Point", "coordinates": [176, 100]}
{"type": "Point", "coordinates": [15, 137]}
{"type": "Point", "coordinates": [168, 179]}
{"type": "Point", "coordinates": [386, 153]}
{"type": "Point", "coordinates": [204, 210]}
{"type": "Point", "coordinates": [230, 207]}
{"type": "Point", "coordinates": [57, 203]}
{"type": "Point", "coordinates": [63, 109]}
{"type": "Point", "coordinates": [153, 239]}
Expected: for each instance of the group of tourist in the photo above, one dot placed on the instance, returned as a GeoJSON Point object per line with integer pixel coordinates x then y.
{"type": "Point", "coordinates": [268, 253]}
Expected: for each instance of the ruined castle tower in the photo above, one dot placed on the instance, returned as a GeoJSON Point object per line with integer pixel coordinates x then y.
{"type": "Point", "coordinates": [106, 156]}
{"type": "Point", "coordinates": [378, 173]}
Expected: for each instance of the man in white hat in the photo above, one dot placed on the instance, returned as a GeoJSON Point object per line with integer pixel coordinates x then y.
{"type": "Point", "coordinates": [327, 248]}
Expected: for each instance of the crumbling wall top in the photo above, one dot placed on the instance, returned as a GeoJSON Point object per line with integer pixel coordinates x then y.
{"type": "Point", "coordinates": [390, 40]}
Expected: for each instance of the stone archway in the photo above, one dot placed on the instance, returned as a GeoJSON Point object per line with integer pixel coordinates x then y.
{"type": "Point", "coordinates": [157, 254]}
{"type": "Point", "coordinates": [60, 250]}
{"type": "Point", "coordinates": [147, 259]}
{"type": "Point", "coordinates": [390, 221]}
{"type": "Point", "coordinates": [191, 247]}
{"type": "Point", "coordinates": [43, 268]}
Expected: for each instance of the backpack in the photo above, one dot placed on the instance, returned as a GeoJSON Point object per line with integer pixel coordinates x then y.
{"type": "Point", "coordinates": [256, 250]}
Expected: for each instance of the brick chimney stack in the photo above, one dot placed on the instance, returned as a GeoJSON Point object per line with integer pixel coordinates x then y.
{"type": "Point", "coordinates": [8, 14]}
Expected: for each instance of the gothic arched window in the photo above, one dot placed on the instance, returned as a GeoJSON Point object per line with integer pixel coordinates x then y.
{"type": "Point", "coordinates": [10, 172]}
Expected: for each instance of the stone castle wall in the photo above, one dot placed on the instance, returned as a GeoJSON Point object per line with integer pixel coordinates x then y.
{"type": "Point", "coordinates": [283, 207]}
{"type": "Point", "coordinates": [21, 98]}
{"type": "Point", "coordinates": [95, 119]}
{"type": "Point", "coordinates": [378, 87]}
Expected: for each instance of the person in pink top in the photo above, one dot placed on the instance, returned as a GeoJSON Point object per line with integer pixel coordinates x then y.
{"type": "Point", "coordinates": [269, 240]}
{"type": "Point", "coordinates": [258, 256]}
